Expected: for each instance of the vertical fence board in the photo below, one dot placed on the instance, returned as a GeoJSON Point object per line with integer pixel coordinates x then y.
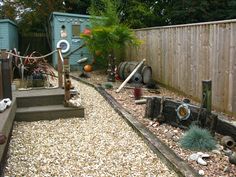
{"type": "Point", "coordinates": [1, 91]}
{"type": "Point", "coordinates": [182, 56]}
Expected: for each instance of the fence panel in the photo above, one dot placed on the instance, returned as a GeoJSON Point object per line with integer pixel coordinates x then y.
{"type": "Point", "coordinates": [34, 42]}
{"type": "Point", "coordinates": [182, 56]}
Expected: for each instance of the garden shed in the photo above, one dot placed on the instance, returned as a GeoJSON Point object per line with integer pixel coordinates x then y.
{"type": "Point", "coordinates": [65, 33]}
{"type": "Point", "coordinates": [8, 34]}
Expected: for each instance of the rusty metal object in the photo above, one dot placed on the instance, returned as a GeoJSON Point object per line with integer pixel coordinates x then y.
{"type": "Point", "coordinates": [3, 138]}
{"type": "Point", "coordinates": [228, 141]}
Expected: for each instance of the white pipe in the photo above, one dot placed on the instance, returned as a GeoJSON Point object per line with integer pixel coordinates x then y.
{"type": "Point", "coordinates": [131, 74]}
{"type": "Point", "coordinates": [82, 60]}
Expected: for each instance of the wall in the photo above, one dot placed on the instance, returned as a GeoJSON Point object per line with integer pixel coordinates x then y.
{"type": "Point", "coordinates": [182, 56]}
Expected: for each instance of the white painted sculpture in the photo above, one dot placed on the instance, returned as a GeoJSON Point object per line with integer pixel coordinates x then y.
{"type": "Point", "coordinates": [4, 104]}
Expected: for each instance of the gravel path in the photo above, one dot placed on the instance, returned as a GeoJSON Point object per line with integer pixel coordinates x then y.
{"type": "Point", "coordinates": [102, 144]}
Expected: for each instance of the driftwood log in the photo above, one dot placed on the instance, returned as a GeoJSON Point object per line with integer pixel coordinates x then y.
{"type": "Point", "coordinates": [165, 110]}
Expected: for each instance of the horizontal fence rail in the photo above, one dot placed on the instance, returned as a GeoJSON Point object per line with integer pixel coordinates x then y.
{"type": "Point", "coordinates": [182, 56]}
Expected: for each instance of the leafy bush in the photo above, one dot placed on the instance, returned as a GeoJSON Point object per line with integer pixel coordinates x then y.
{"type": "Point", "coordinates": [198, 139]}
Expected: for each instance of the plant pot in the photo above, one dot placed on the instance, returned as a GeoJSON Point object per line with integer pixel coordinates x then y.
{"type": "Point", "coordinates": [38, 82]}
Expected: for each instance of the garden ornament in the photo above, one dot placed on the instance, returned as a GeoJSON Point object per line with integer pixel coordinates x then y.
{"type": "Point", "coordinates": [198, 157]}
{"type": "Point", "coordinates": [228, 141]}
{"type": "Point", "coordinates": [183, 111]}
{"type": "Point", "coordinates": [4, 104]}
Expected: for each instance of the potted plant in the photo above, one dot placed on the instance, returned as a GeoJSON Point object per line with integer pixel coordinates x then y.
{"type": "Point", "coordinates": [33, 70]}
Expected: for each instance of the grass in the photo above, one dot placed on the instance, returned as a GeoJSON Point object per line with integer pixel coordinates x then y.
{"type": "Point", "coordinates": [198, 139]}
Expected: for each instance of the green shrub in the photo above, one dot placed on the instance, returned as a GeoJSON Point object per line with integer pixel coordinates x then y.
{"type": "Point", "coordinates": [108, 85]}
{"type": "Point", "coordinates": [198, 139]}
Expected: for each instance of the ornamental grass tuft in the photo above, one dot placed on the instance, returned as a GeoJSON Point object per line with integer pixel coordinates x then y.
{"type": "Point", "coordinates": [198, 139]}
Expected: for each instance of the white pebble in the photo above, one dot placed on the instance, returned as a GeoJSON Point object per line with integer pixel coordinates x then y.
{"type": "Point", "coordinates": [201, 172]}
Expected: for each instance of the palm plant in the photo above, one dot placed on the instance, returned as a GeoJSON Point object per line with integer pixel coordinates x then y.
{"type": "Point", "coordinates": [108, 35]}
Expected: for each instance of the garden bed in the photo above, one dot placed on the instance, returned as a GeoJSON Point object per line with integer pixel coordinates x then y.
{"type": "Point", "coordinates": [218, 163]}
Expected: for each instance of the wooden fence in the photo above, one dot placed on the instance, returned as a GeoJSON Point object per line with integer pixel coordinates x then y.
{"type": "Point", "coordinates": [182, 56]}
{"type": "Point", "coordinates": [34, 42]}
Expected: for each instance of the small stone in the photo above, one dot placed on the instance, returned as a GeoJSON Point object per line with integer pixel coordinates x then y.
{"type": "Point", "coordinates": [201, 161]}
{"type": "Point", "coordinates": [166, 130]}
{"type": "Point", "coordinates": [232, 158]}
{"type": "Point", "coordinates": [155, 124]}
{"type": "Point", "coordinates": [205, 155]}
{"type": "Point", "coordinates": [215, 151]}
{"type": "Point", "coordinates": [175, 131]}
{"type": "Point", "coordinates": [226, 169]}
{"type": "Point", "coordinates": [219, 147]}
{"type": "Point", "coordinates": [193, 157]}
{"type": "Point", "coordinates": [175, 138]}
{"type": "Point", "coordinates": [169, 135]}
{"type": "Point", "coordinates": [201, 172]}
{"type": "Point", "coordinates": [200, 153]}
{"type": "Point", "coordinates": [150, 123]}
{"type": "Point", "coordinates": [227, 152]}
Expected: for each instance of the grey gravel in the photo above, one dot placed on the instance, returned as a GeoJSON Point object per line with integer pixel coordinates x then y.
{"type": "Point", "coordinates": [101, 144]}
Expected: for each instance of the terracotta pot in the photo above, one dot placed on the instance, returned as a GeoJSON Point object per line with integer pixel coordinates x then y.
{"type": "Point", "coordinates": [228, 141]}
{"type": "Point", "coordinates": [88, 68]}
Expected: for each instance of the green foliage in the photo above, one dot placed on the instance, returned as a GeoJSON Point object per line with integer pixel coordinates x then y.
{"type": "Point", "coordinates": [107, 33]}
{"type": "Point", "coordinates": [33, 15]}
{"type": "Point", "coordinates": [198, 139]}
{"type": "Point", "coordinates": [108, 85]}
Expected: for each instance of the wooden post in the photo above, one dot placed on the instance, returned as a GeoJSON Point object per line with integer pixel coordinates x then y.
{"type": "Point", "coordinates": [67, 81]}
{"type": "Point", "coordinates": [153, 107]}
{"type": "Point", "coordinates": [206, 94]}
{"type": "Point", "coordinates": [211, 120]}
{"type": "Point", "coordinates": [59, 68]}
{"type": "Point", "coordinates": [6, 74]}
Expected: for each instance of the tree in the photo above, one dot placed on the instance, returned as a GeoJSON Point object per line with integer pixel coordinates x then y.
{"type": "Point", "coordinates": [33, 15]}
{"type": "Point", "coordinates": [185, 11]}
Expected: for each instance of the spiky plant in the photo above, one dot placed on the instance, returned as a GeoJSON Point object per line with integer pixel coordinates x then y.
{"type": "Point", "coordinates": [108, 85]}
{"type": "Point", "coordinates": [198, 139]}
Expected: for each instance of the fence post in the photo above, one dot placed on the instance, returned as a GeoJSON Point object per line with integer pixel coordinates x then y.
{"type": "Point", "coordinates": [206, 94]}
{"type": "Point", "coordinates": [211, 119]}
{"type": "Point", "coordinates": [59, 68]}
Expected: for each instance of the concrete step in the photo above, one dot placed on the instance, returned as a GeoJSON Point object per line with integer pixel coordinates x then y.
{"type": "Point", "coordinates": [39, 97]}
{"type": "Point", "coordinates": [49, 112]}
{"type": "Point", "coordinates": [42, 100]}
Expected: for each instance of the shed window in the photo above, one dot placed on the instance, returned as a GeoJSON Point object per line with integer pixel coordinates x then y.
{"type": "Point", "coordinates": [75, 30]}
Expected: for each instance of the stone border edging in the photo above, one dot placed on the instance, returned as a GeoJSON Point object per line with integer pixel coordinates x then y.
{"type": "Point", "coordinates": [156, 145]}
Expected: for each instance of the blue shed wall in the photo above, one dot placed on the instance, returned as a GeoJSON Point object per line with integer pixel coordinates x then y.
{"type": "Point", "coordinates": [8, 35]}
{"type": "Point", "coordinates": [57, 20]}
